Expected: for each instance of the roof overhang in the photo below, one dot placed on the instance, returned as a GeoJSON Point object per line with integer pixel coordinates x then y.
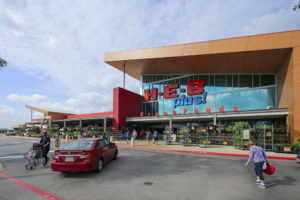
{"type": "Point", "coordinates": [47, 111]}
{"type": "Point", "coordinates": [251, 54]}
{"type": "Point", "coordinates": [84, 119]}
{"type": "Point", "coordinates": [257, 114]}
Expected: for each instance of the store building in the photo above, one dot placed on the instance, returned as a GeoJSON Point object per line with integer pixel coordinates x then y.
{"type": "Point", "coordinates": [254, 78]}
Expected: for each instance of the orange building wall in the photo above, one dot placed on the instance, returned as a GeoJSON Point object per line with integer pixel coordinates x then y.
{"type": "Point", "coordinates": [296, 63]}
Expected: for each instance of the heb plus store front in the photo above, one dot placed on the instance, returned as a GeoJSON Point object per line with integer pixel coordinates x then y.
{"type": "Point", "coordinates": [225, 91]}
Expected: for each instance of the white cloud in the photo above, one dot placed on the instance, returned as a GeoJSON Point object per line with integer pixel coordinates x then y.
{"type": "Point", "coordinates": [42, 102]}
{"type": "Point", "coordinates": [5, 109]}
{"type": "Point", "coordinates": [91, 102]}
{"type": "Point", "coordinates": [34, 99]}
{"type": "Point", "coordinates": [9, 116]}
{"type": "Point", "coordinates": [285, 19]}
{"type": "Point", "coordinates": [62, 43]}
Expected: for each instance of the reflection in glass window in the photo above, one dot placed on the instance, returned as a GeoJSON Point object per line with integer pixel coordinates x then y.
{"type": "Point", "coordinates": [263, 98]}
{"type": "Point", "coordinates": [220, 83]}
{"type": "Point", "coordinates": [235, 82]}
{"type": "Point", "coordinates": [267, 80]}
{"type": "Point", "coordinates": [236, 99]}
{"type": "Point", "coordinates": [226, 101]}
{"type": "Point", "coordinates": [252, 97]}
{"type": "Point", "coordinates": [168, 107]}
{"type": "Point", "coordinates": [271, 97]}
{"type": "Point", "coordinates": [229, 82]}
{"type": "Point", "coordinates": [149, 108]}
{"type": "Point", "coordinates": [210, 103]}
{"type": "Point", "coordinates": [183, 81]}
{"type": "Point", "coordinates": [217, 102]}
{"type": "Point", "coordinates": [243, 100]}
{"type": "Point", "coordinates": [161, 107]}
{"type": "Point", "coordinates": [245, 81]}
{"type": "Point", "coordinates": [256, 81]}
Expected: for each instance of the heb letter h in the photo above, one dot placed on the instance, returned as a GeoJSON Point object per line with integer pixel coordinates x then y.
{"type": "Point", "coordinates": [153, 94]}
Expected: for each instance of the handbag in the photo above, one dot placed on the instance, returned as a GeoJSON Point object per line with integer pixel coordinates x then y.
{"type": "Point", "coordinates": [270, 169]}
{"type": "Point", "coordinates": [267, 168]}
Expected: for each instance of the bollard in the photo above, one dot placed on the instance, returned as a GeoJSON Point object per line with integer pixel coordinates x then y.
{"type": "Point", "coordinates": [57, 143]}
{"type": "Point", "coordinates": [131, 142]}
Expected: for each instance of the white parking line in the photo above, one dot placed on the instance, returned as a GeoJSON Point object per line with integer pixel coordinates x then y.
{"type": "Point", "coordinates": [11, 157]}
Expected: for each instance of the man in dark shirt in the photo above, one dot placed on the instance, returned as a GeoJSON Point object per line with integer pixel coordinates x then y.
{"type": "Point", "coordinates": [45, 142]}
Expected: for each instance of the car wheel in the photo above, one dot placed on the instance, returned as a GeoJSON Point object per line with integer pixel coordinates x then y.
{"type": "Point", "coordinates": [115, 155]}
{"type": "Point", "coordinates": [99, 165]}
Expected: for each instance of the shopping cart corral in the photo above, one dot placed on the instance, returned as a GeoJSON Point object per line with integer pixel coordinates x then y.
{"type": "Point", "coordinates": [34, 156]}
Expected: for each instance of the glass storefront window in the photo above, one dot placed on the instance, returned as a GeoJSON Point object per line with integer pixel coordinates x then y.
{"type": "Point", "coordinates": [271, 97]}
{"type": "Point", "coordinates": [267, 80]}
{"type": "Point", "coordinates": [252, 99]}
{"type": "Point", "coordinates": [256, 81]}
{"type": "Point", "coordinates": [229, 82]}
{"type": "Point", "coordinates": [264, 98]}
{"type": "Point", "coordinates": [245, 81]}
{"type": "Point", "coordinates": [220, 83]}
{"type": "Point", "coordinates": [243, 101]}
{"type": "Point", "coordinates": [236, 99]}
{"type": "Point", "coordinates": [226, 101]}
{"type": "Point", "coordinates": [235, 82]}
{"type": "Point", "coordinates": [222, 90]}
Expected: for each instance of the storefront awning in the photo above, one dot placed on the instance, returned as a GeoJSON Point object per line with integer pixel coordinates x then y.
{"type": "Point", "coordinates": [261, 114]}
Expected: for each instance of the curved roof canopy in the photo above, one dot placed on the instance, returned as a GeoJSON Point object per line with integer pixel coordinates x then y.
{"type": "Point", "coordinates": [251, 54]}
{"type": "Point", "coordinates": [47, 111]}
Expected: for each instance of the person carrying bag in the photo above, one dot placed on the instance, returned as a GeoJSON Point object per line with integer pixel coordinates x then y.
{"type": "Point", "coordinates": [258, 155]}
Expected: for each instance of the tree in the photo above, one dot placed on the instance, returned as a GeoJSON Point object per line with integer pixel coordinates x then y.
{"type": "Point", "coordinates": [296, 7]}
{"type": "Point", "coordinates": [3, 63]}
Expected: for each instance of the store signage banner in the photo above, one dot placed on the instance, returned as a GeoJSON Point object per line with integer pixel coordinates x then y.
{"type": "Point", "coordinates": [195, 94]}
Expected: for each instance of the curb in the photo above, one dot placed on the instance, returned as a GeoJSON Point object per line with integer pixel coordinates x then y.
{"type": "Point", "coordinates": [32, 138]}
{"type": "Point", "coordinates": [24, 138]}
{"type": "Point", "coordinates": [233, 155]}
{"type": "Point", "coordinates": [1, 168]}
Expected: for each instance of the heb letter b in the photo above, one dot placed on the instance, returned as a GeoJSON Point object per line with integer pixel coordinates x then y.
{"type": "Point", "coordinates": [195, 87]}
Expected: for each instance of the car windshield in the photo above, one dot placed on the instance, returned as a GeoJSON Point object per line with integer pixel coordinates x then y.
{"type": "Point", "coordinates": [79, 145]}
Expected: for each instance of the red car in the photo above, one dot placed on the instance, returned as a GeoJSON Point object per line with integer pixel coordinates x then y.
{"type": "Point", "coordinates": [84, 155]}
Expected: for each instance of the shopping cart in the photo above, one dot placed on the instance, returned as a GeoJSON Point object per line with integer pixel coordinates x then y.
{"type": "Point", "coordinates": [34, 156]}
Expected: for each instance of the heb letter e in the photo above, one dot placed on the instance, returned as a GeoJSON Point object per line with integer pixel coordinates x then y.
{"type": "Point", "coordinates": [195, 87]}
{"type": "Point", "coordinates": [170, 91]}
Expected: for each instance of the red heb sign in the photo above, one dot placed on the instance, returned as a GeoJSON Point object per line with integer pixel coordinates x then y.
{"type": "Point", "coordinates": [193, 88]}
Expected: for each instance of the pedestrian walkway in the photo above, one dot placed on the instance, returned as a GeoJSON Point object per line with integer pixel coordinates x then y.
{"type": "Point", "coordinates": [219, 150]}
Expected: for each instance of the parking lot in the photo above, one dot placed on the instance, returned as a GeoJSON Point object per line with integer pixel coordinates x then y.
{"type": "Point", "coordinates": [140, 174]}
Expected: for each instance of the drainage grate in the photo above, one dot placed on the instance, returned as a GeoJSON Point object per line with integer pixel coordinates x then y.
{"type": "Point", "coordinates": [148, 183]}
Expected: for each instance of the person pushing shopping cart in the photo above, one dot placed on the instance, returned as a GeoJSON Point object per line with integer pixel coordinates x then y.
{"type": "Point", "coordinates": [45, 142]}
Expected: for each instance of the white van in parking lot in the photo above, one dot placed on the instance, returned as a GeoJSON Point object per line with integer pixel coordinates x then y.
{"type": "Point", "coordinates": [10, 132]}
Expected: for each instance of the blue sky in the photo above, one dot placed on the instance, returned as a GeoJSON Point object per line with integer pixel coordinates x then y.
{"type": "Point", "coordinates": [55, 48]}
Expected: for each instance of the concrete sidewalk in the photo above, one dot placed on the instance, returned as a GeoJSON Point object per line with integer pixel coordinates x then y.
{"type": "Point", "coordinates": [219, 150]}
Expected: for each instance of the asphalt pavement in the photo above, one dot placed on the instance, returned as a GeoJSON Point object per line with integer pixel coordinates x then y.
{"type": "Point", "coordinates": [146, 174]}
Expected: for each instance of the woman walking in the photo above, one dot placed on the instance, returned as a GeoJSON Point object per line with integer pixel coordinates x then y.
{"type": "Point", "coordinates": [127, 135]}
{"type": "Point", "coordinates": [134, 135]}
{"type": "Point", "coordinates": [258, 155]}
{"type": "Point", "coordinates": [148, 136]}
